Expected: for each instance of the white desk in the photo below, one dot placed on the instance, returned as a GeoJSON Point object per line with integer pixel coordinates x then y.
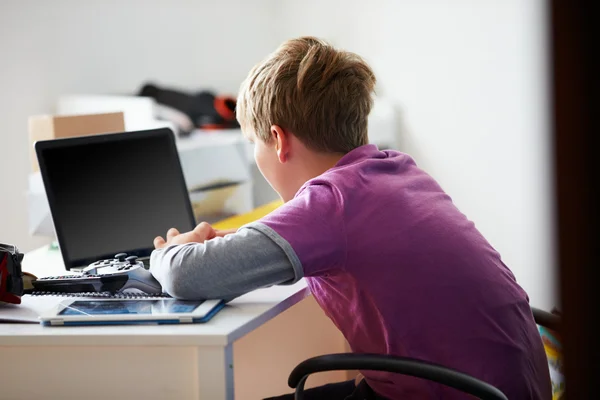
{"type": "Point", "coordinates": [160, 362]}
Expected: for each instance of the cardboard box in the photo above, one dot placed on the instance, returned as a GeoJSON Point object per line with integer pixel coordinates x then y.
{"type": "Point", "coordinates": [44, 127]}
{"type": "Point", "coordinates": [139, 112]}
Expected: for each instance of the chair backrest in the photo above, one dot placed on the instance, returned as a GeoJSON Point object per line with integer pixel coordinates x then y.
{"type": "Point", "coordinates": [546, 319]}
{"type": "Point", "coordinates": [401, 365]}
{"type": "Point", "coordinates": [411, 367]}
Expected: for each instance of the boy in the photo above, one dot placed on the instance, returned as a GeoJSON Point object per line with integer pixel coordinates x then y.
{"type": "Point", "coordinates": [386, 254]}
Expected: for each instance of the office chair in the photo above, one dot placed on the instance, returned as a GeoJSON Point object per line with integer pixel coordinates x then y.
{"type": "Point", "coordinates": [407, 366]}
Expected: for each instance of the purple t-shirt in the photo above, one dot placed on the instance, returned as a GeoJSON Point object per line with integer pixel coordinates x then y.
{"type": "Point", "coordinates": [401, 271]}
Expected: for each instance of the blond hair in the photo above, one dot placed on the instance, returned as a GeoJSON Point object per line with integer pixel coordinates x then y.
{"type": "Point", "coordinates": [320, 94]}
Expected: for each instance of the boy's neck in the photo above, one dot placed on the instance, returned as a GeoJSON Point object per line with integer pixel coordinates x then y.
{"type": "Point", "coordinates": [312, 165]}
{"type": "Point", "coordinates": [321, 163]}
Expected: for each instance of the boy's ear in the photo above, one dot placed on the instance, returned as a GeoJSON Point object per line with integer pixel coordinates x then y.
{"type": "Point", "coordinates": [282, 142]}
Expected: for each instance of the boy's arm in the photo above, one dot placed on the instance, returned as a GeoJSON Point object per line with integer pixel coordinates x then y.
{"type": "Point", "coordinates": [226, 267]}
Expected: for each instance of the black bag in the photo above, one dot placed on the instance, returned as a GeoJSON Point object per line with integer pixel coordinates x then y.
{"type": "Point", "coordinates": [202, 110]}
{"type": "Point", "coordinates": [11, 275]}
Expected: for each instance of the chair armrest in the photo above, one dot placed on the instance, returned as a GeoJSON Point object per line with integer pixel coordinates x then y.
{"type": "Point", "coordinates": [546, 319]}
{"type": "Point", "coordinates": [401, 365]}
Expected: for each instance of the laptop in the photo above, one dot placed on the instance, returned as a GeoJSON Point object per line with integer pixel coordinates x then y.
{"type": "Point", "coordinates": [113, 193]}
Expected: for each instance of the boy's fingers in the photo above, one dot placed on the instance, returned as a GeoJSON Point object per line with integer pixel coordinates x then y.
{"type": "Point", "coordinates": [159, 242]}
{"type": "Point", "coordinates": [225, 232]}
{"type": "Point", "coordinates": [171, 233]}
{"type": "Point", "coordinates": [203, 229]}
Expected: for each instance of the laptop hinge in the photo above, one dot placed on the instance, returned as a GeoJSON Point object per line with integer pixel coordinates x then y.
{"type": "Point", "coordinates": [186, 320]}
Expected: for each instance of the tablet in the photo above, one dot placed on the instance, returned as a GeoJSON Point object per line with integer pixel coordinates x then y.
{"type": "Point", "coordinates": [130, 311]}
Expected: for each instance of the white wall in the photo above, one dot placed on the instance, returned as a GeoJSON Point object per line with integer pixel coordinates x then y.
{"type": "Point", "coordinates": [469, 79]}
{"type": "Point", "coordinates": [96, 46]}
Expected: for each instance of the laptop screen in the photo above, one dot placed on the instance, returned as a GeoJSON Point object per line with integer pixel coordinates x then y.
{"type": "Point", "coordinates": [113, 193]}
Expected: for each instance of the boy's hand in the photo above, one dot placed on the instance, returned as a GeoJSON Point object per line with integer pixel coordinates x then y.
{"type": "Point", "coordinates": [200, 234]}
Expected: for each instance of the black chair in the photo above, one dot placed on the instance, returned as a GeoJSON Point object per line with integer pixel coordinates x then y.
{"type": "Point", "coordinates": [407, 366]}
{"type": "Point", "coordinates": [546, 319]}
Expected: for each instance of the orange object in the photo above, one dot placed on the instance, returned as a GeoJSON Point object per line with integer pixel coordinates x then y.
{"type": "Point", "coordinates": [225, 107]}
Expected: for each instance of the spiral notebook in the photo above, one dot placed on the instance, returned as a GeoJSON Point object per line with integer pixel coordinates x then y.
{"type": "Point", "coordinates": [102, 295]}
{"type": "Point", "coordinates": [36, 303]}
{"type": "Point", "coordinates": [106, 308]}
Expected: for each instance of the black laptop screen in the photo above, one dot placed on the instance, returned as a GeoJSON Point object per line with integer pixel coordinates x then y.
{"type": "Point", "coordinates": [113, 193]}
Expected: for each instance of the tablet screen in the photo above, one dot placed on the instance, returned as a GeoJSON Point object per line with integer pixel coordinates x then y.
{"type": "Point", "coordinates": [129, 307]}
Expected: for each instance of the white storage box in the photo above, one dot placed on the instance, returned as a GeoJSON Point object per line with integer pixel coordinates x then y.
{"type": "Point", "coordinates": [217, 159]}
{"type": "Point", "coordinates": [139, 111]}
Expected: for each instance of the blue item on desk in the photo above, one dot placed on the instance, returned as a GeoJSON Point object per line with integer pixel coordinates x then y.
{"type": "Point", "coordinates": [73, 312]}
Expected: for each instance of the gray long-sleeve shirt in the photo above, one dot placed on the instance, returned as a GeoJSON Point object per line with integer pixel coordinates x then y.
{"type": "Point", "coordinates": [226, 267]}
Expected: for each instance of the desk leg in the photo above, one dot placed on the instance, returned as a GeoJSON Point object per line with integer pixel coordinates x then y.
{"type": "Point", "coordinates": [215, 373]}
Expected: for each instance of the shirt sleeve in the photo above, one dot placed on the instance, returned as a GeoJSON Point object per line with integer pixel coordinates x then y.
{"type": "Point", "coordinates": [312, 224]}
{"type": "Point", "coordinates": [227, 267]}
